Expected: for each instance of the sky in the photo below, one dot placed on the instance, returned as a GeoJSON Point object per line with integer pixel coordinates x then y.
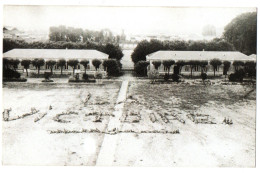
{"type": "Point", "coordinates": [133, 20]}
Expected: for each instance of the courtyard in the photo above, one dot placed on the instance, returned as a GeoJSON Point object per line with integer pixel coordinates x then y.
{"type": "Point", "coordinates": [66, 124]}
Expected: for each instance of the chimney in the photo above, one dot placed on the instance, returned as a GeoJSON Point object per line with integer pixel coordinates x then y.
{"type": "Point", "coordinates": [203, 50]}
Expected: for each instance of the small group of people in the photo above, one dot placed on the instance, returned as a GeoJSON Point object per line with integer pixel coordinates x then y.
{"type": "Point", "coordinates": [227, 121]}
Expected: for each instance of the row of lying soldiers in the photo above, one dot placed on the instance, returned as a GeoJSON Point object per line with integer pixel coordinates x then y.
{"type": "Point", "coordinates": [228, 121]}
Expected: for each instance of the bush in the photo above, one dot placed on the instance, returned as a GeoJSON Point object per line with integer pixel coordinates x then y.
{"type": "Point", "coordinates": [175, 78]}
{"type": "Point", "coordinates": [47, 75]}
{"type": "Point", "coordinates": [112, 67]}
{"type": "Point", "coordinates": [141, 68]}
{"type": "Point", "coordinates": [166, 77]}
{"type": "Point", "coordinates": [204, 76]}
{"type": "Point", "coordinates": [85, 76]}
{"type": "Point", "coordinates": [237, 76]}
{"type": "Point", "coordinates": [9, 73]}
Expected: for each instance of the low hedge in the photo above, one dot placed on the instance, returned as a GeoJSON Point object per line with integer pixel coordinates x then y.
{"type": "Point", "coordinates": [14, 80]}
{"type": "Point", "coordinates": [80, 81]}
{"type": "Point", "coordinates": [47, 80]}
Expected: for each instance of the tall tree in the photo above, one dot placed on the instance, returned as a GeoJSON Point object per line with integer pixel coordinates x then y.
{"type": "Point", "coordinates": [238, 64]}
{"type": "Point", "coordinates": [141, 68]}
{"type": "Point", "coordinates": [85, 63]}
{"type": "Point", "coordinates": [114, 51]}
{"type": "Point", "coordinates": [38, 62]}
{"type": "Point", "coordinates": [180, 64]}
{"type": "Point", "coordinates": [241, 32]}
{"type": "Point", "coordinates": [192, 64]}
{"type": "Point", "coordinates": [73, 63]}
{"type": "Point", "coordinates": [14, 63]}
{"type": "Point", "coordinates": [96, 63]}
{"type": "Point", "coordinates": [226, 67]}
{"type": "Point", "coordinates": [144, 48]}
{"type": "Point", "coordinates": [156, 64]}
{"type": "Point", "coordinates": [250, 68]}
{"type": "Point", "coordinates": [61, 63]}
{"type": "Point", "coordinates": [26, 64]}
{"type": "Point", "coordinates": [6, 63]}
{"type": "Point", "coordinates": [167, 64]}
{"type": "Point", "coordinates": [215, 63]}
{"type": "Point", "coordinates": [203, 65]}
{"type": "Point", "coordinates": [51, 64]}
{"type": "Point", "coordinates": [112, 67]}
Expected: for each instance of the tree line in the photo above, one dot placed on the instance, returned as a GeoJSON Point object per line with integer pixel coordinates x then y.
{"type": "Point", "coordinates": [112, 66]}
{"type": "Point", "coordinates": [114, 51]}
{"type": "Point", "coordinates": [249, 66]}
{"type": "Point", "coordinates": [71, 34]}
{"type": "Point", "coordinates": [146, 47]}
{"type": "Point", "coordinates": [242, 33]}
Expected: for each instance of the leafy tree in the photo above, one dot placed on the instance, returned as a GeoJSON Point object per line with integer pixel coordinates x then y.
{"type": "Point", "coordinates": [167, 64]}
{"type": "Point", "coordinates": [215, 63]}
{"type": "Point", "coordinates": [192, 64]}
{"type": "Point", "coordinates": [6, 63]}
{"type": "Point", "coordinates": [105, 64]}
{"type": "Point", "coordinates": [156, 64]}
{"type": "Point", "coordinates": [96, 63]}
{"type": "Point", "coordinates": [141, 68]}
{"type": "Point", "coordinates": [26, 64]}
{"type": "Point", "coordinates": [241, 32]}
{"type": "Point", "coordinates": [144, 48]}
{"type": "Point", "coordinates": [203, 65]}
{"type": "Point", "coordinates": [14, 63]}
{"type": "Point", "coordinates": [113, 51]}
{"type": "Point", "coordinates": [180, 64]}
{"type": "Point", "coordinates": [237, 64]}
{"type": "Point", "coordinates": [197, 45]}
{"type": "Point", "coordinates": [226, 67]}
{"type": "Point", "coordinates": [85, 63]}
{"type": "Point", "coordinates": [73, 63]}
{"type": "Point", "coordinates": [37, 63]}
{"type": "Point", "coordinates": [250, 68]}
{"type": "Point", "coordinates": [112, 67]}
{"type": "Point", "coordinates": [175, 45]}
{"type": "Point", "coordinates": [61, 63]}
{"type": "Point", "coordinates": [51, 64]}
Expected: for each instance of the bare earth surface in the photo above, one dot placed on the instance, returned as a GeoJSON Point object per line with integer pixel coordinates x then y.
{"type": "Point", "coordinates": [155, 127]}
{"type": "Point", "coordinates": [26, 142]}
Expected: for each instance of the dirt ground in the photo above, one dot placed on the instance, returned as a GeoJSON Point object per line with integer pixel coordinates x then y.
{"type": "Point", "coordinates": [71, 133]}
{"type": "Point", "coordinates": [166, 106]}
{"type": "Point", "coordinates": [26, 142]}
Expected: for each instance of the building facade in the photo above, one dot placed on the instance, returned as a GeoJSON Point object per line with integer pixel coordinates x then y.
{"type": "Point", "coordinates": [186, 56]}
{"type": "Point", "coordinates": [56, 54]}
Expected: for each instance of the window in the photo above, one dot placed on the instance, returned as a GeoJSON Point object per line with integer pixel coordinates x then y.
{"type": "Point", "coordinates": [187, 68]}
{"type": "Point", "coordinates": [88, 66]}
{"type": "Point", "coordinates": [78, 66]}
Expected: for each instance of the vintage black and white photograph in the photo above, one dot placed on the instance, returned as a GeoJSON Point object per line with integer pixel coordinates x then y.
{"type": "Point", "coordinates": [129, 86]}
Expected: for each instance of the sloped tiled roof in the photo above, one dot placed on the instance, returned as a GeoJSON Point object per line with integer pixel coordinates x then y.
{"type": "Point", "coordinates": [199, 55]}
{"type": "Point", "coordinates": [55, 54]}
